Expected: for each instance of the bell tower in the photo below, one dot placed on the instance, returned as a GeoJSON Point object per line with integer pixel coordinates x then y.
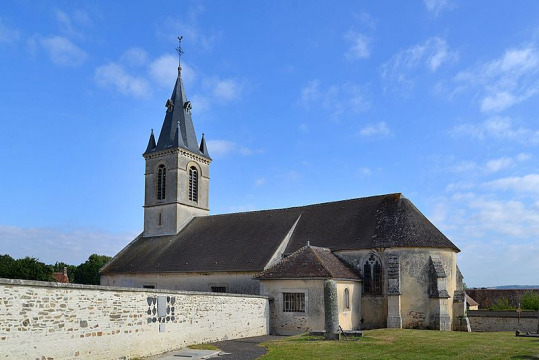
{"type": "Point", "coordinates": [177, 169]}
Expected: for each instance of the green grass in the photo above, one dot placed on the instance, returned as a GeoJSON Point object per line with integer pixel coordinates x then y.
{"type": "Point", "coordinates": [407, 344]}
{"type": "Point", "coordinates": [203, 347]}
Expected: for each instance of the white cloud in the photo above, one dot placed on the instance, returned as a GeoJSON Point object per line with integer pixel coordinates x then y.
{"type": "Point", "coordinates": [501, 128]}
{"type": "Point", "coordinates": [260, 182]}
{"type": "Point", "coordinates": [364, 171]}
{"type": "Point", "coordinates": [489, 167]}
{"type": "Point", "coordinates": [310, 92]}
{"type": "Point", "coordinates": [7, 35]}
{"type": "Point", "coordinates": [360, 46]}
{"type": "Point", "coordinates": [431, 55]}
{"type": "Point", "coordinates": [227, 90]}
{"type": "Point", "coordinates": [464, 166]}
{"type": "Point", "coordinates": [69, 22]}
{"type": "Point", "coordinates": [336, 99]}
{"type": "Point", "coordinates": [200, 103]}
{"type": "Point", "coordinates": [62, 51]}
{"type": "Point", "coordinates": [496, 165]}
{"type": "Point", "coordinates": [134, 57]}
{"type": "Point", "coordinates": [113, 75]}
{"type": "Point", "coordinates": [506, 81]}
{"type": "Point", "coordinates": [376, 130]}
{"type": "Point", "coordinates": [436, 6]}
{"type": "Point", "coordinates": [51, 245]}
{"type": "Point", "coordinates": [498, 102]}
{"type": "Point", "coordinates": [519, 184]}
{"type": "Point", "coordinates": [224, 148]}
{"type": "Point", "coordinates": [164, 70]}
{"type": "Point", "coordinates": [203, 37]}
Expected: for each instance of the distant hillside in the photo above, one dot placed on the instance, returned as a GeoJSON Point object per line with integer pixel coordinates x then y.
{"type": "Point", "coordinates": [505, 287]}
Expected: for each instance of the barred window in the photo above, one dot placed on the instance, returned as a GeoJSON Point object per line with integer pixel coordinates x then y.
{"type": "Point", "coordinates": [346, 299]}
{"type": "Point", "coordinates": [294, 302]}
{"type": "Point", "coordinates": [372, 276]}
{"type": "Point", "coordinates": [161, 182]}
{"type": "Point", "coordinates": [218, 289]}
{"type": "Point", "coordinates": [193, 184]}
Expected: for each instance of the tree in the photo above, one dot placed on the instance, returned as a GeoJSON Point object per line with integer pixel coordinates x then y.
{"type": "Point", "coordinates": [30, 268]}
{"type": "Point", "coordinates": [530, 301]}
{"type": "Point", "coordinates": [7, 265]}
{"type": "Point", "coordinates": [88, 272]}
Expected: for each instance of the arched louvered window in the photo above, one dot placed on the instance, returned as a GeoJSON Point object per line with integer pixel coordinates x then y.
{"type": "Point", "coordinates": [161, 182]}
{"type": "Point", "coordinates": [372, 276]}
{"type": "Point", "coordinates": [346, 299]}
{"type": "Point", "coordinates": [193, 184]}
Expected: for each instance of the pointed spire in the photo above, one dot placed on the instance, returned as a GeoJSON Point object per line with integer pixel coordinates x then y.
{"type": "Point", "coordinates": [203, 148]}
{"type": "Point", "coordinates": [151, 143]}
{"type": "Point", "coordinates": [178, 129]}
{"type": "Point", "coordinates": [178, 141]}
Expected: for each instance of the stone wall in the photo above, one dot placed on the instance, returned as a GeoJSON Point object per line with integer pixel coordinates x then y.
{"type": "Point", "coordinates": [40, 320]}
{"type": "Point", "coordinates": [488, 297]}
{"type": "Point", "coordinates": [503, 321]}
{"type": "Point", "coordinates": [417, 307]}
{"type": "Point", "coordinates": [290, 323]}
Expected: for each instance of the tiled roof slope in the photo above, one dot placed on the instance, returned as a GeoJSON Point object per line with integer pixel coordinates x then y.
{"type": "Point", "coordinates": [309, 262]}
{"type": "Point", "coordinates": [247, 241]}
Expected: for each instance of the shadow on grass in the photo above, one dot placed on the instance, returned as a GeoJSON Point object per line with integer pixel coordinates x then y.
{"type": "Point", "coordinates": [525, 357]}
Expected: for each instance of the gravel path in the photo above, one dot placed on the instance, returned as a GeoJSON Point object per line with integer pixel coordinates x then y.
{"type": "Point", "coordinates": [244, 349]}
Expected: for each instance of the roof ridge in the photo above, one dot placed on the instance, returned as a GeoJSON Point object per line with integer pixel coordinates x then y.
{"type": "Point", "coordinates": [399, 195]}
{"type": "Point", "coordinates": [320, 259]}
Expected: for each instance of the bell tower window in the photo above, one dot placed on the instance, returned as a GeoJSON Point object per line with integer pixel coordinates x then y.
{"type": "Point", "coordinates": [161, 182]}
{"type": "Point", "coordinates": [193, 184]}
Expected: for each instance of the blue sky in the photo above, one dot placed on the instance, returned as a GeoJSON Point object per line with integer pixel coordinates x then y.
{"type": "Point", "coordinates": [301, 102]}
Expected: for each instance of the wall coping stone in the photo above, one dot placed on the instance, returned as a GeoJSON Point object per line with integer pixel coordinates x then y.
{"type": "Point", "coordinates": [56, 285]}
{"type": "Point", "coordinates": [506, 314]}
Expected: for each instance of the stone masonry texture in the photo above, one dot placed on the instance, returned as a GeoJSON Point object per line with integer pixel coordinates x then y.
{"type": "Point", "coordinates": [40, 320]}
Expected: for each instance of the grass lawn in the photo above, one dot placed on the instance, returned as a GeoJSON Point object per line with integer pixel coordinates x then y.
{"type": "Point", "coordinates": [407, 344]}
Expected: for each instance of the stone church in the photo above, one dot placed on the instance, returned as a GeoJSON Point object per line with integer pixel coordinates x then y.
{"type": "Point", "coordinates": [392, 267]}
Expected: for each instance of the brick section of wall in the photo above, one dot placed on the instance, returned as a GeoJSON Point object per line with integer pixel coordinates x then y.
{"type": "Point", "coordinates": [40, 320]}
{"type": "Point", "coordinates": [503, 321]}
{"type": "Point", "coordinates": [487, 297]}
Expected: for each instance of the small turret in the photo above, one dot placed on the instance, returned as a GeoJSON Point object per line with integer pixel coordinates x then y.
{"type": "Point", "coordinates": [203, 148]}
{"type": "Point", "coordinates": [151, 143]}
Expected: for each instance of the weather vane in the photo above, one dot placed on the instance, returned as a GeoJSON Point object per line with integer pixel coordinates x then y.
{"type": "Point", "coordinates": [179, 49]}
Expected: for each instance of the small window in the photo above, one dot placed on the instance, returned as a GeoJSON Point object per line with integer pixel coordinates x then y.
{"type": "Point", "coordinates": [294, 302]}
{"type": "Point", "coordinates": [346, 299]}
{"type": "Point", "coordinates": [218, 289]}
{"type": "Point", "coordinates": [148, 286]}
{"type": "Point", "coordinates": [161, 182]}
{"type": "Point", "coordinates": [193, 184]}
{"type": "Point", "coordinates": [372, 276]}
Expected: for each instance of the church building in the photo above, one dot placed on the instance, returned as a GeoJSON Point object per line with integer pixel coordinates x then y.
{"type": "Point", "coordinates": [392, 267]}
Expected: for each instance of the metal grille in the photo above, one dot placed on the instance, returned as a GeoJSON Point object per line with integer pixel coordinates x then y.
{"type": "Point", "coordinates": [193, 184]}
{"type": "Point", "coordinates": [218, 289]}
{"type": "Point", "coordinates": [293, 302]}
{"type": "Point", "coordinates": [161, 182]}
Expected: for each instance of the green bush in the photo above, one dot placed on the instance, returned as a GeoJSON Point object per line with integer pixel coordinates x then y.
{"type": "Point", "coordinates": [502, 304]}
{"type": "Point", "coordinates": [530, 301]}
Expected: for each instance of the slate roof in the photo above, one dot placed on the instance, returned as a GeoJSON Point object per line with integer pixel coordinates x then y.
{"type": "Point", "coordinates": [471, 301]}
{"type": "Point", "coordinates": [178, 129]}
{"type": "Point", "coordinates": [247, 241]}
{"type": "Point", "coordinates": [309, 262]}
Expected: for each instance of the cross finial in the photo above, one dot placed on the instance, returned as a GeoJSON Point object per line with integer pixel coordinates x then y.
{"type": "Point", "coordinates": [179, 49]}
